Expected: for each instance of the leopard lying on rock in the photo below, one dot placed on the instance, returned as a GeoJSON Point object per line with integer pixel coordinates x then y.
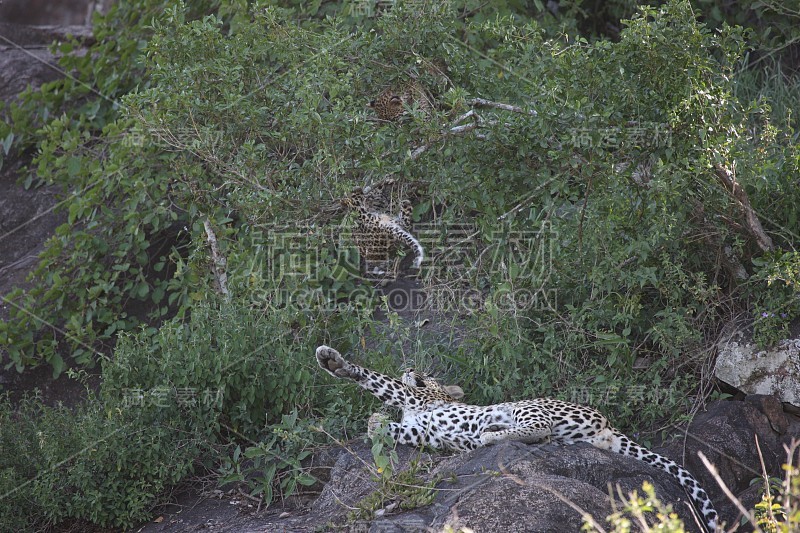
{"type": "Point", "coordinates": [433, 416]}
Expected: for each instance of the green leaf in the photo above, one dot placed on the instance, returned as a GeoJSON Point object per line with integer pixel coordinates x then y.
{"type": "Point", "coordinates": [73, 166]}
{"type": "Point", "coordinates": [7, 142]}
{"type": "Point", "coordinates": [57, 363]}
{"type": "Point", "coordinates": [255, 451]}
{"type": "Point", "coordinates": [236, 453]}
{"type": "Point", "coordinates": [306, 480]}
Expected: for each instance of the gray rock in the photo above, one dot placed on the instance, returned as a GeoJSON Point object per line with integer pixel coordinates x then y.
{"type": "Point", "coordinates": [775, 371]}
{"type": "Point", "coordinates": [498, 487]}
{"type": "Point", "coordinates": [47, 11]}
{"type": "Point", "coordinates": [25, 59]}
{"type": "Point", "coordinates": [726, 433]}
{"type": "Point", "coordinates": [495, 488]}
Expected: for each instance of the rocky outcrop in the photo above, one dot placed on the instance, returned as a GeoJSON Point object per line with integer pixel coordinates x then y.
{"type": "Point", "coordinates": [775, 371]}
{"type": "Point", "coordinates": [726, 433]}
{"type": "Point", "coordinates": [509, 487]}
{"type": "Point", "coordinates": [25, 59]}
{"type": "Point", "coordinates": [516, 487]}
{"type": "Point", "coordinates": [49, 12]}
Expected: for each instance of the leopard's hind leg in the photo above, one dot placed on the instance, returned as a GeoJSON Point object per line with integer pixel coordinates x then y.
{"type": "Point", "coordinates": [526, 434]}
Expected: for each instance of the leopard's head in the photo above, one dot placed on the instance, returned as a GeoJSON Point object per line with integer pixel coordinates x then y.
{"type": "Point", "coordinates": [393, 102]}
{"type": "Point", "coordinates": [429, 388]}
{"type": "Point", "coordinates": [354, 199]}
{"type": "Point", "coordinates": [388, 105]}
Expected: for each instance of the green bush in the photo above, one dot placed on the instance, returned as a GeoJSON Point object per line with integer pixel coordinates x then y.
{"type": "Point", "coordinates": [254, 365]}
{"type": "Point", "coordinates": [106, 462]}
{"type": "Point", "coordinates": [135, 201]}
{"type": "Point", "coordinates": [120, 239]}
{"type": "Point", "coordinates": [173, 404]}
{"type": "Point", "coordinates": [616, 178]}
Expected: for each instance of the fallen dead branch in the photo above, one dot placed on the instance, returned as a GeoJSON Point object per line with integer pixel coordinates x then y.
{"type": "Point", "coordinates": [752, 223]}
{"type": "Point", "coordinates": [220, 263]}
{"type": "Point", "coordinates": [480, 102]}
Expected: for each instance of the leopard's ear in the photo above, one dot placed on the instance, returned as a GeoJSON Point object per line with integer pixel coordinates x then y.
{"type": "Point", "coordinates": [454, 391]}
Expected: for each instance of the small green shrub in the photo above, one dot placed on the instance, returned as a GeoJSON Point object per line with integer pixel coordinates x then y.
{"type": "Point", "coordinates": [222, 356]}
{"type": "Point", "coordinates": [775, 289]}
{"type": "Point", "coordinates": [171, 404]}
{"type": "Point", "coordinates": [105, 463]}
{"type": "Point", "coordinates": [778, 511]}
{"type": "Point", "coordinates": [405, 489]}
{"type": "Point", "coordinates": [275, 464]}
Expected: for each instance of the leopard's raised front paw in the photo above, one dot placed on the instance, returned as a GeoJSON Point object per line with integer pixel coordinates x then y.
{"type": "Point", "coordinates": [375, 422]}
{"type": "Point", "coordinates": [332, 362]}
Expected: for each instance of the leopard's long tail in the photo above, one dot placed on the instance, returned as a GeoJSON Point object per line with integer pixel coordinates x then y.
{"type": "Point", "coordinates": [402, 235]}
{"type": "Point", "coordinates": [621, 444]}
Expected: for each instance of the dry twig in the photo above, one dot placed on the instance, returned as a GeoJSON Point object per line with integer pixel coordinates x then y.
{"type": "Point", "coordinates": [480, 102]}
{"type": "Point", "coordinates": [752, 223]}
{"type": "Point", "coordinates": [220, 263]}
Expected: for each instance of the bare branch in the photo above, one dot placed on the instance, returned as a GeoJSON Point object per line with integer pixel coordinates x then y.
{"type": "Point", "coordinates": [765, 477]}
{"type": "Point", "coordinates": [455, 130]}
{"type": "Point", "coordinates": [753, 224]}
{"type": "Point", "coordinates": [465, 116]}
{"type": "Point", "coordinates": [220, 263]}
{"type": "Point", "coordinates": [480, 102]}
